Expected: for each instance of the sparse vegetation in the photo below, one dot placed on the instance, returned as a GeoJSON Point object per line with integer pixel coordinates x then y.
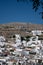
{"type": "Point", "coordinates": [13, 36]}
{"type": "Point", "coordinates": [9, 30]}
{"type": "Point", "coordinates": [22, 38]}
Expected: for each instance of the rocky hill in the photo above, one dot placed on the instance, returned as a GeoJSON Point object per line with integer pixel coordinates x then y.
{"type": "Point", "coordinates": [10, 29]}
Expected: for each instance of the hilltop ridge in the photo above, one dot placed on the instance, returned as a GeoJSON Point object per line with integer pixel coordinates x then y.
{"type": "Point", "coordinates": [9, 29]}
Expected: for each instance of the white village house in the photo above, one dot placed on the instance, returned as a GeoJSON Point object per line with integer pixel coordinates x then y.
{"type": "Point", "coordinates": [36, 32]}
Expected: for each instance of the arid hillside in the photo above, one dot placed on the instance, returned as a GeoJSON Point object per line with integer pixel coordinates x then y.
{"type": "Point", "coordinates": [10, 29]}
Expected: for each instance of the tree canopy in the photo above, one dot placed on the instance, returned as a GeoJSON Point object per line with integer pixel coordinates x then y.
{"type": "Point", "coordinates": [36, 4]}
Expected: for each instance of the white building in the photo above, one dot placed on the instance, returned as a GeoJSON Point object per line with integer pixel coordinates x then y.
{"type": "Point", "coordinates": [2, 40]}
{"type": "Point", "coordinates": [24, 43]}
{"type": "Point", "coordinates": [18, 39]}
{"type": "Point", "coordinates": [37, 32]}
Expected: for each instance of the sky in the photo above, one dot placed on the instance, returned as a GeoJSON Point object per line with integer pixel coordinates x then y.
{"type": "Point", "coordinates": [13, 11]}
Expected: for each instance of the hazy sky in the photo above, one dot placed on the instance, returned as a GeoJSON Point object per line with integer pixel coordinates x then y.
{"type": "Point", "coordinates": [12, 11]}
